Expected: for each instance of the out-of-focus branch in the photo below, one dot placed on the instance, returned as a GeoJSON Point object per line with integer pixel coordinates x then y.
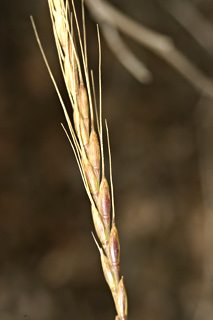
{"type": "Point", "coordinates": [124, 55]}
{"type": "Point", "coordinates": [104, 12]}
{"type": "Point", "coordinates": [193, 21]}
{"type": "Point", "coordinates": [159, 44]}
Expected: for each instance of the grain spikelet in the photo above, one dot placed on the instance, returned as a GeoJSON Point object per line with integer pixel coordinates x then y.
{"type": "Point", "coordinates": [87, 142]}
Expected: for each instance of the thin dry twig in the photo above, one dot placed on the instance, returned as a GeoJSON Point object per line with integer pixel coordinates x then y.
{"type": "Point", "coordinates": [161, 45]}
{"type": "Point", "coordinates": [86, 143]}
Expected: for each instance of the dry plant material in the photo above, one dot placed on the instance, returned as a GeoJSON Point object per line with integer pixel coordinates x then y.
{"type": "Point", "coordinates": [161, 45]}
{"type": "Point", "coordinates": [87, 142]}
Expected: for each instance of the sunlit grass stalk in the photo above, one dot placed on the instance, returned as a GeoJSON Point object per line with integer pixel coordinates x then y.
{"type": "Point", "coordinates": [87, 143]}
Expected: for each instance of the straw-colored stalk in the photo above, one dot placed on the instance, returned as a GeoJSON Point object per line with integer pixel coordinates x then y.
{"type": "Point", "coordinates": [88, 144]}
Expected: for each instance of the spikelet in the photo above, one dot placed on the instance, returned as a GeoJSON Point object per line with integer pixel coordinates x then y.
{"type": "Point", "coordinates": [108, 273]}
{"type": "Point", "coordinates": [121, 301]}
{"type": "Point", "coordinates": [104, 202]}
{"type": "Point", "coordinates": [83, 105]}
{"type": "Point", "coordinates": [88, 145]}
{"type": "Point", "coordinates": [100, 227]}
{"type": "Point", "coordinates": [114, 251]}
{"type": "Point", "coordinates": [94, 153]}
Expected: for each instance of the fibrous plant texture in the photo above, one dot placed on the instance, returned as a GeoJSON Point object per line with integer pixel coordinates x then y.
{"type": "Point", "coordinates": [86, 139]}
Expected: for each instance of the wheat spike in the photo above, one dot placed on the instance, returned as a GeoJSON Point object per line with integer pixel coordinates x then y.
{"type": "Point", "coordinates": [87, 143]}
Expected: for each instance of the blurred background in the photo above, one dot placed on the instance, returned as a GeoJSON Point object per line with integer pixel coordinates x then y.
{"type": "Point", "coordinates": [161, 141]}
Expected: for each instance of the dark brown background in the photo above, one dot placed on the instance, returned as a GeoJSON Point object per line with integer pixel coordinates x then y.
{"type": "Point", "coordinates": [161, 149]}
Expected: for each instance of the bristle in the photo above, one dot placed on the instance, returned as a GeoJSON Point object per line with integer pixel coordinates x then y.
{"type": "Point", "coordinates": [110, 169]}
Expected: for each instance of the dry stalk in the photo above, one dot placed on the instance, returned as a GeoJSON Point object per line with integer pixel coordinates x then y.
{"type": "Point", "coordinates": [87, 143]}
